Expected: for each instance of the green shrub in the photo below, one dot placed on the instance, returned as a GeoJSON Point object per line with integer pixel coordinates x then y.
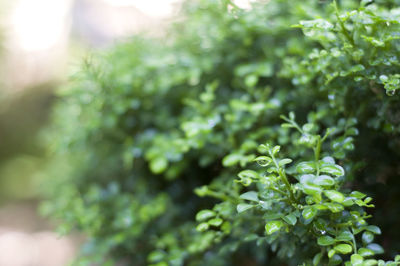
{"type": "Point", "coordinates": [157, 141]}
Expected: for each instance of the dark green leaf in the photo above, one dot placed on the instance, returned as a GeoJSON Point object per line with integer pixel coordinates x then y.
{"type": "Point", "coordinates": [325, 241]}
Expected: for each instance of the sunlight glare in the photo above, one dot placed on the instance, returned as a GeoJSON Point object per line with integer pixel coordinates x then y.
{"type": "Point", "coordinates": [40, 24]}
{"type": "Point", "coordinates": [154, 8]}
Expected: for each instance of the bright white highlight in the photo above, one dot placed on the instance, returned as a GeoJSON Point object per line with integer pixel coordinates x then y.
{"type": "Point", "coordinates": [154, 8]}
{"type": "Point", "coordinates": [39, 25]}
{"type": "Point", "coordinates": [245, 4]}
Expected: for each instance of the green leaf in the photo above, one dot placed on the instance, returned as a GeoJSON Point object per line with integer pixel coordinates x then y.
{"type": "Point", "coordinates": [215, 222]}
{"type": "Point", "coordinates": [334, 195]}
{"type": "Point", "coordinates": [345, 236]}
{"type": "Point", "coordinates": [202, 227]}
{"type": "Point", "coordinates": [248, 174]}
{"type": "Point", "coordinates": [290, 219]}
{"type": "Point", "coordinates": [284, 162]}
{"type": "Point", "coordinates": [356, 259]}
{"type": "Point", "coordinates": [367, 237]}
{"type": "Point", "coordinates": [325, 241]}
{"type": "Point", "coordinates": [309, 212]}
{"type": "Point", "coordinates": [343, 248]}
{"type": "Point", "coordinates": [263, 160]}
{"type": "Point", "coordinates": [204, 215]}
{"type": "Point", "coordinates": [357, 195]}
{"type": "Point", "coordinates": [247, 177]}
{"type": "Point", "coordinates": [243, 207]}
{"type": "Point", "coordinates": [370, 262]}
{"type": "Point", "coordinates": [317, 259]}
{"type": "Point", "coordinates": [374, 229]}
{"type": "Point", "coordinates": [348, 202]}
{"type": "Point", "coordinates": [365, 252]}
{"type": "Point", "coordinates": [158, 165]}
{"type": "Point", "coordinates": [311, 189]}
{"type": "Point", "coordinates": [331, 253]}
{"type": "Point", "coordinates": [250, 195]}
{"type": "Point", "coordinates": [275, 149]}
{"type": "Point", "coordinates": [335, 259]}
{"type": "Point", "coordinates": [324, 180]}
{"type": "Point", "coordinates": [334, 207]}
{"type": "Point", "coordinates": [251, 80]}
{"type": "Point", "coordinates": [273, 226]}
{"type": "Point", "coordinates": [306, 168]}
{"type": "Point", "coordinates": [376, 248]}
{"type": "Point", "coordinates": [231, 159]}
{"type": "Point", "coordinates": [332, 169]}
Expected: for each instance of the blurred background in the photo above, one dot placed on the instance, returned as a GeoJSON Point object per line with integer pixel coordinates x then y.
{"type": "Point", "coordinates": [41, 42]}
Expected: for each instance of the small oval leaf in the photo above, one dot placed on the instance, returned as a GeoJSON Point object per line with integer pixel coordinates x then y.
{"type": "Point", "coordinates": [306, 168]}
{"type": "Point", "coordinates": [250, 195]}
{"type": "Point", "coordinates": [325, 241]}
{"type": "Point", "coordinates": [243, 207]}
{"type": "Point", "coordinates": [263, 160]}
{"type": "Point", "coordinates": [334, 195]}
{"type": "Point", "coordinates": [273, 226]}
{"type": "Point", "coordinates": [324, 180]}
{"type": "Point", "coordinates": [367, 237]}
{"type": "Point", "coordinates": [290, 219]}
{"type": "Point", "coordinates": [309, 212]}
{"type": "Point", "coordinates": [343, 248]}
{"type": "Point", "coordinates": [376, 248]}
{"type": "Point", "coordinates": [332, 169]}
{"type": "Point", "coordinates": [374, 229]}
{"type": "Point", "coordinates": [204, 215]}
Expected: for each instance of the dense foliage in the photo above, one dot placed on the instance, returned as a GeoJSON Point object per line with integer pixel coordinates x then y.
{"type": "Point", "coordinates": [158, 155]}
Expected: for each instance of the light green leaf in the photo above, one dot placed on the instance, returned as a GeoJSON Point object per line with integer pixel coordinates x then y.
{"type": "Point", "coordinates": [215, 222]}
{"type": "Point", "coordinates": [250, 195]}
{"type": "Point", "coordinates": [332, 169]}
{"type": "Point", "coordinates": [243, 207]}
{"type": "Point", "coordinates": [202, 227]}
{"type": "Point", "coordinates": [311, 189]}
{"type": "Point", "coordinates": [334, 195]}
{"type": "Point", "coordinates": [273, 226]}
{"type": "Point", "coordinates": [263, 160]}
{"type": "Point", "coordinates": [356, 259]}
{"type": "Point", "coordinates": [306, 168]}
{"type": "Point", "coordinates": [317, 259]}
{"type": "Point", "coordinates": [343, 248]}
{"type": "Point", "coordinates": [276, 149]}
{"type": "Point", "coordinates": [357, 195]}
{"type": "Point", "coordinates": [334, 207]}
{"type": "Point", "coordinates": [309, 212]}
{"type": "Point", "coordinates": [284, 162]}
{"type": "Point", "coordinates": [324, 180]}
{"type": "Point", "coordinates": [248, 174]}
{"type": "Point", "coordinates": [290, 219]}
{"type": "Point", "coordinates": [231, 159]}
{"type": "Point", "coordinates": [204, 215]}
{"type": "Point", "coordinates": [365, 252]}
{"type": "Point", "coordinates": [158, 165]}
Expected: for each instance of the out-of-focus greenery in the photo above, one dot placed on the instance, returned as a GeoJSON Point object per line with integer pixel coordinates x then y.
{"type": "Point", "coordinates": [155, 140]}
{"type": "Point", "coordinates": [22, 116]}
